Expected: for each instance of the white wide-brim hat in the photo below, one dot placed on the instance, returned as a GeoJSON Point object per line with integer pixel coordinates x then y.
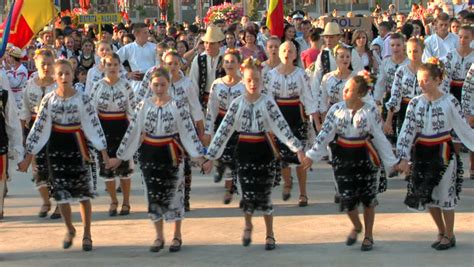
{"type": "Point", "coordinates": [213, 34]}
{"type": "Point", "coordinates": [331, 28]}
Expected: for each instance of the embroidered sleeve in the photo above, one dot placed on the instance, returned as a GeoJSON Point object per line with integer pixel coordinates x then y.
{"type": "Point", "coordinates": [144, 88]}
{"type": "Point", "coordinates": [212, 110]}
{"type": "Point", "coordinates": [187, 132]}
{"type": "Point", "coordinates": [458, 121]}
{"type": "Point", "coordinates": [91, 125]}
{"type": "Point", "coordinates": [12, 125]}
{"type": "Point", "coordinates": [396, 92]}
{"type": "Point", "coordinates": [279, 126]}
{"type": "Point", "coordinates": [306, 96]}
{"type": "Point", "coordinates": [131, 140]}
{"type": "Point", "coordinates": [408, 132]}
{"type": "Point", "coordinates": [131, 103]}
{"type": "Point", "coordinates": [193, 100]}
{"type": "Point", "coordinates": [25, 112]}
{"type": "Point", "coordinates": [382, 145]}
{"type": "Point", "coordinates": [41, 130]}
{"type": "Point", "coordinates": [323, 94]}
{"type": "Point", "coordinates": [379, 88]}
{"type": "Point", "coordinates": [325, 136]}
{"type": "Point", "coordinates": [467, 100]}
{"type": "Point", "coordinates": [224, 132]}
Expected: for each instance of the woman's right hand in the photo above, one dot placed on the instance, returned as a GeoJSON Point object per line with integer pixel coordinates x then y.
{"type": "Point", "coordinates": [114, 163]}
{"type": "Point", "coordinates": [403, 166]}
{"type": "Point", "coordinates": [25, 163]}
{"type": "Point", "coordinates": [206, 140]}
{"type": "Point", "coordinates": [387, 127]}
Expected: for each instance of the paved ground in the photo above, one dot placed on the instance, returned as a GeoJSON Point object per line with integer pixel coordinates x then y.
{"type": "Point", "coordinates": [311, 236]}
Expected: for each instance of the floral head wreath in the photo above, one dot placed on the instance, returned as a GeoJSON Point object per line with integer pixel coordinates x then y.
{"type": "Point", "coordinates": [170, 51]}
{"type": "Point", "coordinates": [368, 77]}
{"type": "Point", "coordinates": [250, 63]}
{"type": "Point", "coordinates": [437, 62]}
{"type": "Point", "coordinates": [337, 47]}
{"type": "Point", "coordinates": [44, 51]}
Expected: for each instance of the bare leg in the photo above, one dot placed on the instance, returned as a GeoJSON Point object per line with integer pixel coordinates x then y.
{"type": "Point", "coordinates": [438, 219]}
{"type": "Point", "coordinates": [3, 182]}
{"type": "Point", "coordinates": [126, 186]}
{"type": "Point", "coordinates": [110, 185]}
{"type": "Point", "coordinates": [159, 230]}
{"type": "Point", "coordinates": [448, 216]}
{"type": "Point", "coordinates": [66, 214]}
{"type": "Point", "coordinates": [86, 215]}
{"type": "Point", "coordinates": [369, 218]}
{"type": "Point", "coordinates": [44, 193]}
{"type": "Point", "coordinates": [248, 227]}
{"type": "Point", "coordinates": [302, 176]}
{"type": "Point", "coordinates": [269, 224]}
{"type": "Point", "coordinates": [177, 232]}
{"type": "Point", "coordinates": [354, 217]}
{"type": "Point", "coordinates": [286, 174]}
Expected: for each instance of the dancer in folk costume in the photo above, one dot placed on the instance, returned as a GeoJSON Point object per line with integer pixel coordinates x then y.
{"type": "Point", "coordinates": [426, 141]}
{"type": "Point", "coordinates": [112, 97]}
{"type": "Point", "coordinates": [11, 144]}
{"type": "Point", "coordinates": [253, 116]}
{"type": "Point", "coordinates": [183, 89]}
{"type": "Point", "coordinates": [404, 88]}
{"type": "Point", "coordinates": [290, 86]}
{"type": "Point", "coordinates": [353, 131]}
{"type": "Point", "coordinates": [65, 119]}
{"type": "Point", "coordinates": [386, 75]}
{"type": "Point", "coordinates": [467, 104]}
{"type": "Point", "coordinates": [16, 72]}
{"type": "Point", "coordinates": [36, 88]}
{"type": "Point", "coordinates": [162, 130]}
{"type": "Point", "coordinates": [271, 48]}
{"type": "Point", "coordinates": [223, 91]}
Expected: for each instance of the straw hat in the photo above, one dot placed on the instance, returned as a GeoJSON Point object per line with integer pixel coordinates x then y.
{"type": "Point", "coordinates": [15, 52]}
{"type": "Point", "coordinates": [331, 28]}
{"type": "Point", "coordinates": [46, 29]}
{"type": "Point", "coordinates": [213, 34]}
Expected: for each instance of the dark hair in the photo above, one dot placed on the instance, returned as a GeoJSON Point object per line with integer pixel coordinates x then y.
{"type": "Point", "coordinates": [407, 30]}
{"type": "Point", "coordinates": [193, 28]}
{"type": "Point", "coordinates": [81, 70]}
{"type": "Point", "coordinates": [434, 70]}
{"type": "Point", "coordinates": [184, 43]}
{"type": "Point", "coordinates": [306, 22]}
{"type": "Point", "coordinates": [362, 86]}
{"type": "Point", "coordinates": [314, 36]}
{"type": "Point", "coordinates": [161, 72]}
{"type": "Point", "coordinates": [420, 24]}
{"type": "Point", "coordinates": [386, 25]}
{"type": "Point", "coordinates": [129, 35]}
{"type": "Point", "coordinates": [442, 17]}
{"type": "Point", "coordinates": [397, 35]}
{"type": "Point", "coordinates": [163, 45]}
{"type": "Point", "coordinates": [139, 25]}
{"type": "Point", "coordinates": [235, 53]}
{"type": "Point", "coordinates": [252, 32]}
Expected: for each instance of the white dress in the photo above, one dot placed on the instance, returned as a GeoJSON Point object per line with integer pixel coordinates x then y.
{"type": "Point", "coordinates": [467, 99]}
{"type": "Point", "coordinates": [220, 97]}
{"type": "Point", "coordinates": [163, 134]}
{"type": "Point", "coordinates": [385, 77]}
{"type": "Point", "coordinates": [358, 144]}
{"type": "Point", "coordinates": [431, 122]}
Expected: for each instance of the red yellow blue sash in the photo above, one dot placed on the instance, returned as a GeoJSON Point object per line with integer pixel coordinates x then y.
{"type": "Point", "coordinates": [222, 112]}
{"type": "Point", "coordinates": [457, 83]}
{"type": "Point", "coordinates": [442, 139]}
{"type": "Point", "coordinates": [171, 141]}
{"type": "Point", "coordinates": [406, 100]}
{"type": "Point", "coordinates": [112, 115]}
{"type": "Point", "coordinates": [3, 166]}
{"type": "Point", "coordinates": [259, 138]}
{"type": "Point", "coordinates": [361, 142]}
{"type": "Point", "coordinates": [75, 129]}
{"type": "Point", "coordinates": [292, 102]}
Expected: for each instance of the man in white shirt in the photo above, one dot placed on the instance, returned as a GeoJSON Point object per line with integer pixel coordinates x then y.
{"type": "Point", "coordinates": [207, 66]}
{"type": "Point", "coordinates": [383, 40]}
{"type": "Point", "coordinates": [326, 62]}
{"type": "Point", "coordinates": [442, 41]}
{"type": "Point", "coordinates": [140, 54]}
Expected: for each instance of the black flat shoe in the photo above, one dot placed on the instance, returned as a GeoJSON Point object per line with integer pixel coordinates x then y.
{"type": "Point", "coordinates": [87, 245]}
{"type": "Point", "coordinates": [435, 244]}
{"type": "Point", "coordinates": [125, 210]}
{"type": "Point", "coordinates": [337, 198]}
{"type": "Point", "coordinates": [228, 197]}
{"type": "Point", "coordinates": [270, 246]}
{"type": "Point", "coordinates": [287, 187]}
{"type": "Point", "coordinates": [246, 241]}
{"type": "Point", "coordinates": [351, 241]}
{"type": "Point", "coordinates": [45, 208]}
{"type": "Point", "coordinates": [303, 201]}
{"type": "Point", "coordinates": [452, 243]}
{"type": "Point", "coordinates": [56, 214]}
{"type": "Point", "coordinates": [176, 248]}
{"type": "Point", "coordinates": [113, 209]}
{"type": "Point", "coordinates": [67, 242]}
{"type": "Point", "coordinates": [368, 247]}
{"type": "Point", "coordinates": [157, 245]}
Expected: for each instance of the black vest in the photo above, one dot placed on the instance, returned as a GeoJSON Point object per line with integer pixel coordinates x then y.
{"type": "Point", "coordinates": [202, 64]}
{"type": "Point", "coordinates": [3, 132]}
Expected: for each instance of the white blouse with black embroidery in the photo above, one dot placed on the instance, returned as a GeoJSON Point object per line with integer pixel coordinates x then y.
{"type": "Point", "coordinates": [113, 98]}
{"type": "Point", "coordinates": [405, 84]}
{"type": "Point", "coordinates": [456, 67]}
{"type": "Point", "coordinates": [260, 116]}
{"type": "Point", "coordinates": [295, 84]}
{"type": "Point", "coordinates": [72, 110]}
{"type": "Point", "coordinates": [467, 100]}
{"type": "Point", "coordinates": [385, 77]}
{"type": "Point", "coordinates": [94, 75]}
{"type": "Point", "coordinates": [330, 91]}
{"type": "Point", "coordinates": [430, 118]}
{"type": "Point", "coordinates": [344, 122]}
{"type": "Point", "coordinates": [32, 95]}
{"type": "Point", "coordinates": [170, 119]}
{"type": "Point", "coordinates": [220, 97]}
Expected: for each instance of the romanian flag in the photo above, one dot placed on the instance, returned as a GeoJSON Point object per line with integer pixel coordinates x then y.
{"type": "Point", "coordinates": [28, 18]}
{"type": "Point", "coordinates": [275, 17]}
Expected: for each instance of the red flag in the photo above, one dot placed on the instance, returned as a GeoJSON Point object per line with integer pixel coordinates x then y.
{"type": "Point", "coordinates": [275, 17]}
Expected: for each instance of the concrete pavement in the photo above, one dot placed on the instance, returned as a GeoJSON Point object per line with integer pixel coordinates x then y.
{"type": "Point", "coordinates": [310, 236]}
